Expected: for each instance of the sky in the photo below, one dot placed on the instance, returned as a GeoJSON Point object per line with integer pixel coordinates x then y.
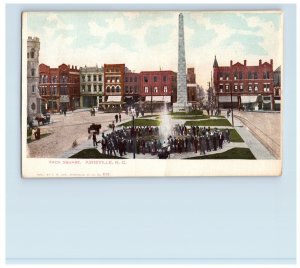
{"type": "Point", "coordinates": [148, 40]}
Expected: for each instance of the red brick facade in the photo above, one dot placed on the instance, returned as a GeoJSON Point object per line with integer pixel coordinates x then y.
{"type": "Point", "coordinates": [59, 87]}
{"type": "Point", "coordinates": [132, 86]}
{"type": "Point", "coordinates": [114, 75]}
{"type": "Point", "coordinates": [159, 83]}
{"type": "Point", "coordinates": [245, 83]}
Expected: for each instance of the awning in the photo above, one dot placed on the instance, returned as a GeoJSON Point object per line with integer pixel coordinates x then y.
{"type": "Point", "coordinates": [277, 101]}
{"type": "Point", "coordinates": [248, 99]}
{"type": "Point", "coordinates": [114, 98]}
{"type": "Point", "coordinates": [227, 98]}
{"type": "Point", "coordinates": [159, 98]}
{"type": "Point", "coordinates": [267, 99]}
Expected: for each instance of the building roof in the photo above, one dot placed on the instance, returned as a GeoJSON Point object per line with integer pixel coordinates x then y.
{"type": "Point", "coordinates": [215, 62]}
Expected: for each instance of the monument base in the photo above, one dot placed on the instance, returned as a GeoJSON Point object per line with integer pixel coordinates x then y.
{"type": "Point", "coordinates": [182, 107]}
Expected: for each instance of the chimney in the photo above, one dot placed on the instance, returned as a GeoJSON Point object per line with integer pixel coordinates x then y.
{"type": "Point", "coordinates": [75, 67]}
{"type": "Point", "coordinates": [271, 62]}
{"type": "Point", "coordinates": [72, 66]}
{"type": "Point", "coordinates": [69, 65]}
{"type": "Point", "coordinates": [230, 63]}
{"type": "Point", "coordinates": [245, 63]}
{"type": "Point", "coordinates": [259, 62]}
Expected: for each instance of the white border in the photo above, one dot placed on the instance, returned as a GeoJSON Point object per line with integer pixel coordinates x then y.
{"type": "Point", "coordinates": [2, 139]}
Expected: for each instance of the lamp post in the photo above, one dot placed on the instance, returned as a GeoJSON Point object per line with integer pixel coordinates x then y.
{"type": "Point", "coordinates": [151, 99]}
{"type": "Point", "coordinates": [133, 134]}
{"type": "Point", "coordinates": [231, 106]}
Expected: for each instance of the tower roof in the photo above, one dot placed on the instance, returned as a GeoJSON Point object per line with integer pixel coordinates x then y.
{"type": "Point", "coordinates": [215, 62]}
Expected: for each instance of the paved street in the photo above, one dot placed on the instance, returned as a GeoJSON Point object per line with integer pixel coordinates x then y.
{"type": "Point", "coordinates": [66, 129]}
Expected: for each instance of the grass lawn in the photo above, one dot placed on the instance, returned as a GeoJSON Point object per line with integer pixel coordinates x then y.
{"type": "Point", "coordinates": [187, 117]}
{"type": "Point", "coordinates": [211, 122]}
{"type": "Point", "coordinates": [142, 122]}
{"type": "Point", "coordinates": [92, 153]}
{"type": "Point", "coordinates": [188, 113]}
{"type": "Point", "coordinates": [42, 136]}
{"type": "Point", "coordinates": [149, 115]}
{"type": "Point", "coordinates": [234, 136]}
{"type": "Point", "coordinates": [234, 153]}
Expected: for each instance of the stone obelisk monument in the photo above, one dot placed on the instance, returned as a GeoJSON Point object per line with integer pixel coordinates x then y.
{"type": "Point", "coordinates": [181, 105]}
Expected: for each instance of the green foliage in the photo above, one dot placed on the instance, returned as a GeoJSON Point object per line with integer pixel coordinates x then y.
{"type": "Point", "coordinates": [234, 153]}
{"type": "Point", "coordinates": [209, 123]}
{"type": "Point", "coordinates": [92, 153]}
{"type": "Point", "coordinates": [142, 122]}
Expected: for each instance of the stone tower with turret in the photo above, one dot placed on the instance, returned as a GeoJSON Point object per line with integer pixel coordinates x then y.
{"type": "Point", "coordinates": [33, 96]}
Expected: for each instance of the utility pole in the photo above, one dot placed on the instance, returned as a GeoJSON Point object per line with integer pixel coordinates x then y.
{"type": "Point", "coordinates": [231, 107]}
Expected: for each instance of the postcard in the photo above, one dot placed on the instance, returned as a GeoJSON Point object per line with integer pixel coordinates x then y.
{"type": "Point", "coordinates": [152, 93]}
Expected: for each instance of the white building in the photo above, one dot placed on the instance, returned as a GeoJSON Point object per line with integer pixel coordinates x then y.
{"type": "Point", "coordinates": [33, 96]}
{"type": "Point", "coordinates": [91, 86]}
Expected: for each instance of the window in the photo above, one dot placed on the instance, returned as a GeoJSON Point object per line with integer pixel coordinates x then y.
{"type": "Point", "coordinates": [165, 78]}
{"type": "Point", "coordinates": [113, 89]}
{"type": "Point", "coordinates": [241, 87]}
{"type": "Point", "coordinates": [145, 79]}
{"type": "Point", "coordinates": [118, 89]}
{"type": "Point", "coordinates": [250, 75]}
{"type": "Point", "coordinates": [154, 78]}
{"type": "Point", "coordinates": [235, 88]}
{"type": "Point", "coordinates": [108, 89]}
{"type": "Point", "coordinates": [89, 78]}
{"type": "Point", "coordinates": [83, 78]}
{"type": "Point", "coordinates": [135, 79]}
{"type": "Point", "coordinates": [240, 75]}
{"type": "Point", "coordinates": [221, 76]}
{"type": "Point", "coordinates": [100, 77]}
{"type": "Point", "coordinates": [89, 88]}
{"type": "Point", "coordinates": [95, 77]}
{"type": "Point", "coordinates": [250, 87]}
{"type": "Point", "coordinates": [95, 88]}
{"type": "Point", "coordinates": [130, 79]}
{"type": "Point", "coordinates": [32, 53]}
{"type": "Point", "coordinates": [118, 80]}
{"type": "Point", "coordinates": [266, 75]}
{"type": "Point", "coordinates": [256, 87]}
{"type": "Point", "coordinates": [126, 79]}
{"type": "Point", "coordinates": [126, 89]}
{"type": "Point", "coordinates": [165, 89]}
{"type": "Point", "coordinates": [221, 88]}
{"type": "Point", "coordinates": [155, 89]}
{"type": "Point", "coordinates": [235, 76]}
{"type": "Point", "coordinates": [32, 72]}
{"type": "Point", "coordinates": [83, 88]}
{"type": "Point", "coordinates": [100, 88]}
{"type": "Point", "coordinates": [146, 90]}
{"type": "Point", "coordinates": [266, 87]}
{"type": "Point", "coordinates": [227, 76]}
{"type": "Point", "coordinates": [130, 89]}
{"type": "Point", "coordinates": [135, 90]}
{"type": "Point", "coordinates": [227, 88]}
{"type": "Point", "coordinates": [255, 75]}
{"type": "Point", "coordinates": [33, 89]}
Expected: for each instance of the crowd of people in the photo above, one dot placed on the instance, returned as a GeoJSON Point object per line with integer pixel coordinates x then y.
{"type": "Point", "coordinates": [146, 140]}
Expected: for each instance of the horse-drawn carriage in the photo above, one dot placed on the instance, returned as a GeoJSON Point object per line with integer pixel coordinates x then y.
{"type": "Point", "coordinates": [44, 119]}
{"type": "Point", "coordinates": [94, 128]}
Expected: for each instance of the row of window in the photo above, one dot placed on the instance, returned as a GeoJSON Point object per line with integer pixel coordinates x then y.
{"type": "Point", "coordinates": [236, 88]}
{"type": "Point", "coordinates": [155, 89]}
{"type": "Point", "coordinates": [113, 80]}
{"type": "Point", "coordinates": [113, 89]}
{"type": "Point", "coordinates": [53, 79]}
{"type": "Point", "coordinates": [155, 79]}
{"type": "Point", "coordinates": [53, 90]}
{"type": "Point", "coordinates": [88, 78]}
{"type": "Point", "coordinates": [131, 89]}
{"type": "Point", "coordinates": [88, 88]}
{"type": "Point", "coordinates": [130, 79]}
{"type": "Point", "coordinates": [240, 75]}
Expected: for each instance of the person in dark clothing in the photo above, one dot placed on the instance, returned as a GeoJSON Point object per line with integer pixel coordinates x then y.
{"type": "Point", "coordinates": [116, 117]}
{"type": "Point", "coordinates": [120, 117]}
{"type": "Point", "coordinates": [94, 140]}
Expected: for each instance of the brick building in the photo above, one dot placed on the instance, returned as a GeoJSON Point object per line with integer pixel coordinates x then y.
{"type": "Point", "coordinates": [252, 87]}
{"type": "Point", "coordinates": [161, 85]}
{"type": "Point", "coordinates": [59, 87]}
{"type": "Point", "coordinates": [191, 85]}
{"type": "Point", "coordinates": [132, 86]}
{"type": "Point", "coordinates": [277, 88]}
{"type": "Point", "coordinates": [91, 86]}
